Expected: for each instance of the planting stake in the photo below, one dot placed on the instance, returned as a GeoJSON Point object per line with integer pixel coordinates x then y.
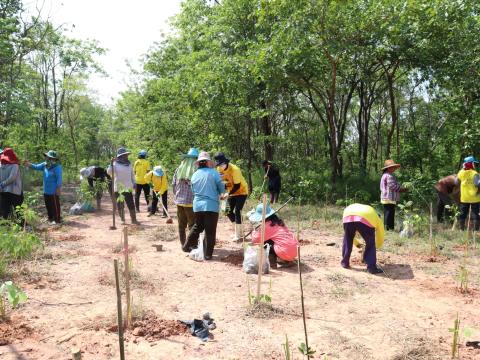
{"type": "Point", "coordinates": [433, 247]}
{"type": "Point", "coordinates": [127, 278]}
{"type": "Point", "coordinates": [76, 354]}
{"type": "Point", "coordinates": [264, 178]}
{"type": "Point", "coordinates": [260, 250]}
{"type": "Point", "coordinates": [301, 296]}
{"type": "Point", "coordinates": [112, 195]}
{"type": "Point", "coordinates": [119, 311]}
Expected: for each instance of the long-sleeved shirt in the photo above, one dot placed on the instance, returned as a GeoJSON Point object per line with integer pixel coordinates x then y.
{"type": "Point", "coordinates": [141, 168]}
{"type": "Point", "coordinates": [124, 178]}
{"type": "Point", "coordinates": [10, 179]}
{"type": "Point", "coordinates": [52, 177]}
{"type": "Point", "coordinates": [160, 183]}
{"type": "Point", "coordinates": [207, 186]}
{"type": "Point", "coordinates": [389, 189]}
{"type": "Point", "coordinates": [274, 178]}
{"type": "Point", "coordinates": [368, 216]}
{"type": "Point", "coordinates": [284, 242]}
{"type": "Point", "coordinates": [182, 191]}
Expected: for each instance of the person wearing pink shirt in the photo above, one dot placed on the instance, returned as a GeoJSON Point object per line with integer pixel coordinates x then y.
{"type": "Point", "coordinates": [283, 245]}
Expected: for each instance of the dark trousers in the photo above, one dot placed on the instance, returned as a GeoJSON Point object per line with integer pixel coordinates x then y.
{"type": "Point", "coordinates": [128, 199]}
{"type": "Point", "coordinates": [186, 217]}
{"type": "Point", "coordinates": [389, 216]}
{"type": "Point", "coordinates": [52, 203]}
{"type": "Point", "coordinates": [442, 201]}
{"type": "Point", "coordinates": [204, 220]}
{"type": "Point", "coordinates": [274, 196]}
{"type": "Point", "coordinates": [138, 192]}
{"type": "Point", "coordinates": [8, 203]}
{"type": "Point", "coordinates": [235, 206]}
{"type": "Point", "coordinates": [368, 234]}
{"type": "Point", "coordinates": [465, 209]}
{"type": "Point", "coordinates": [154, 207]}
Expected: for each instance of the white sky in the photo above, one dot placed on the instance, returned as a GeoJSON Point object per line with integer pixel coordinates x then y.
{"type": "Point", "coordinates": [126, 28]}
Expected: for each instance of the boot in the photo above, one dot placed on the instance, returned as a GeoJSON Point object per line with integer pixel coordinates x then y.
{"type": "Point", "coordinates": [238, 233]}
{"type": "Point", "coordinates": [272, 259]}
{"type": "Point", "coordinates": [133, 217]}
{"type": "Point", "coordinates": [121, 212]}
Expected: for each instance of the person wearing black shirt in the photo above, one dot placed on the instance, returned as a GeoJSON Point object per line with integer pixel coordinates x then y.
{"type": "Point", "coordinates": [274, 180]}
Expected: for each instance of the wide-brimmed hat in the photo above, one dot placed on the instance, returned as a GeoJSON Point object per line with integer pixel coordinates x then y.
{"type": "Point", "coordinates": [255, 215]}
{"type": "Point", "coordinates": [470, 159]}
{"type": "Point", "coordinates": [51, 154]}
{"type": "Point", "coordinates": [122, 151]}
{"type": "Point", "coordinates": [390, 163]}
{"type": "Point", "coordinates": [1, 150]}
{"type": "Point", "coordinates": [203, 156]}
{"type": "Point", "coordinates": [192, 153]}
{"type": "Point", "coordinates": [220, 158]}
{"type": "Point", "coordinates": [84, 173]}
{"type": "Point", "coordinates": [158, 171]}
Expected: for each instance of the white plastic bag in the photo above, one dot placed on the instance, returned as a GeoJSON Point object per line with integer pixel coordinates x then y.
{"type": "Point", "coordinates": [76, 209]}
{"type": "Point", "coordinates": [250, 260]}
{"type": "Point", "coordinates": [197, 254]}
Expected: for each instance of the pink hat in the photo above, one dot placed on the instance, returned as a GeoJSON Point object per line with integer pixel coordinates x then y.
{"type": "Point", "coordinates": [204, 156]}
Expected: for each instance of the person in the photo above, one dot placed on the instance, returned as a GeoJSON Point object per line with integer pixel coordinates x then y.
{"type": "Point", "coordinates": [237, 189]}
{"type": "Point", "coordinates": [94, 174]}
{"type": "Point", "coordinates": [141, 167]}
{"type": "Point", "coordinates": [182, 193]}
{"type": "Point", "coordinates": [390, 191]}
{"type": "Point", "coordinates": [158, 180]}
{"type": "Point", "coordinates": [11, 192]}
{"type": "Point", "coordinates": [52, 184]}
{"type": "Point", "coordinates": [123, 184]}
{"type": "Point", "coordinates": [274, 180]}
{"type": "Point", "coordinates": [469, 181]}
{"type": "Point", "coordinates": [362, 219]}
{"type": "Point", "coordinates": [207, 187]}
{"type": "Point", "coordinates": [283, 245]}
{"type": "Point", "coordinates": [448, 193]}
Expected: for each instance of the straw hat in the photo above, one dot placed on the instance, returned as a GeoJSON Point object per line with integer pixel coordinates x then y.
{"type": "Point", "coordinates": [390, 163]}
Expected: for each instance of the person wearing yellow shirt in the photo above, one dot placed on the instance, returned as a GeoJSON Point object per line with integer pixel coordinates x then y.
{"type": "Point", "coordinates": [159, 182]}
{"type": "Point", "coordinates": [140, 168]}
{"type": "Point", "coordinates": [469, 180]}
{"type": "Point", "coordinates": [237, 189]}
{"type": "Point", "coordinates": [362, 219]}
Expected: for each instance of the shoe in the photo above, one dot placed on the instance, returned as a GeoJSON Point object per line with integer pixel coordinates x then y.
{"type": "Point", "coordinates": [238, 233]}
{"type": "Point", "coordinates": [150, 214]}
{"type": "Point", "coordinates": [206, 257]}
{"type": "Point", "coordinates": [53, 223]}
{"type": "Point", "coordinates": [375, 271]}
{"type": "Point", "coordinates": [345, 266]}
{"type": "Point", "coordinates": [164, 216]}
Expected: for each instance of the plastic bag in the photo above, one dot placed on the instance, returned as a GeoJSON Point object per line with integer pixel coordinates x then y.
{"type": "Point", "coordinates": [197, 254]}
{"type": "Point", "coordinates": [250, 260]}
{"type": "Point", "coordinates": [87, 207]}
{"type": "Point", "coordinates": [407, 231]}
{"type": "Point", "coordinates": [76, 209]}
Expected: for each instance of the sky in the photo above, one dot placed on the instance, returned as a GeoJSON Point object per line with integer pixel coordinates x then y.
{"type": "Point", "coordinates": [126, 28]}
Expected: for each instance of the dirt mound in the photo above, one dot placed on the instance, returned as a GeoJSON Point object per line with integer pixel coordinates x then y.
{"type": "Point", "coordinates": [12, 330]}
{"type": "Point", "coordinates": [235, 259]}
{"type": "Point", "coordinates": [151, 328]}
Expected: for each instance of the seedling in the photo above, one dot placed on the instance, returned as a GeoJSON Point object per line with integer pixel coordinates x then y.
{"type": "Point", "coordinates": [9, 292]}
{"type": "Point", "coordinates": [286, 349]}
{"type": "Point", "coordinates": [463, 277]}
{"type": "Point", "coordinates": [306, 350]}
{"type": "Point", "coordinates": [455, 330]}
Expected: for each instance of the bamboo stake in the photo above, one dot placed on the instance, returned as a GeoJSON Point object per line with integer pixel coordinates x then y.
{"type": "Point", "coordinates": [112, 195]}
{"type": "Point", "coordinates": [260, 250]}
{"type": "Point", "coordinates": [433, 248]}
{"type": "Point", "coordinates": [128, 318]}
{"type": "Point", "coordinates": [301, 297]}
{"type": "Point", "coordinates": [264, 179]}
{"type": "Point", "coordinates": [119, 312]}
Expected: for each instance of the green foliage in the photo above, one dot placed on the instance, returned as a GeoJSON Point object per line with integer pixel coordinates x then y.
{"type": "Point", "coordinates": [10, 292]}
{"type": "Point", "coordinates": [16, 243]}
{"type": "Point", "coordinates": [308, 352]}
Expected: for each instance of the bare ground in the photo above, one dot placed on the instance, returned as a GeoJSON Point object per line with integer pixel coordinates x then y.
{"type": "Point", "coordinates": [350, 314]}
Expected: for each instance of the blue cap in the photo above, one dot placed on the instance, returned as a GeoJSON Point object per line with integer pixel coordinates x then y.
{"type": "Point", "coordinates": [158, 171]}
{"type": "Point", "coordinates": [470, 159]}
{"type": "Point", "coordinates": [256, 215]}
{"type": "Point", "coordinates": [192, 153]}
{"type": "Point", "coordinates": [142, 153]}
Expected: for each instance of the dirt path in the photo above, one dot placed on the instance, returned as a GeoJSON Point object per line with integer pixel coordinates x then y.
{"type": "Point", "coordinates": [351, 314]}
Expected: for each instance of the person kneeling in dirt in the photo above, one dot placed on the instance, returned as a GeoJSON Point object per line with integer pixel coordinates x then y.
{"type": "Point", "coordinates": [207, 187]}
{"type": "Point", "coordinates": [94, 174]}
{"type": "Point", "coordinates": [364, 220]}
{"type": "Point", "coordinates": [159, 184]}
{"type": "Point", "coordinates": [124, 183]}
{"type": "Point", "coordinates": [448, 193]}
{"type": "Point", "coordinates": [283, 245]}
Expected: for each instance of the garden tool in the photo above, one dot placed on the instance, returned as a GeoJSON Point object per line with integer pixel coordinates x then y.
{"type": "Point", "coordinates": [169, 219]}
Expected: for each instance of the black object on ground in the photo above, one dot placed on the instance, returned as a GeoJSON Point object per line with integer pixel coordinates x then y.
{"type": "Point", "coordinates": [200, 328]}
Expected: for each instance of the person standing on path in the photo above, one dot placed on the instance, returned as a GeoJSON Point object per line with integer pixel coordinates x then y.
{"type": "Point", "coordinates": [159, 182]}
{"type": "Point", "coordinates": [448, 193]}
{"type": "Point", "coordinates": [469, 181]}
{"type": "Point", "coordinates": [124, 183]}
{"type": "Point", "coordinates": [183, 195]}
{"type": "Point", "coordinates": [141, 167]}
{"type": "Point", "coordinates": [237, 189]}
{"type": "Point", "coordinates": [364, 220]}
{"type": "Point", "coordinates": [52, 184]}
{"type": "Point", "coordinates": [11, 191]}
{"type": "Point", "coordinates": [390, 191]}
{"type": "Point", "coordinates": [207, 187]}
{"type": "Point", "coordinates": [274, 180]}
{"type": "Point", "coordinates": [94, 174]}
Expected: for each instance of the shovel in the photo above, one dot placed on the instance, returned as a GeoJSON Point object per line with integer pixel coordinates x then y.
{"type": "Point", "coordinates": [169, 220]}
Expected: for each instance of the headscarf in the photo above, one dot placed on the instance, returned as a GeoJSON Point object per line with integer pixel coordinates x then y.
{"type": "Point", "coordinates": [186, 169]}
{"type": "Point", "coordinates": [8, 157]}
{"type": "Point", "coordinates": [468, 166]}
{"type": "Point", "coordinates": [123, 160]}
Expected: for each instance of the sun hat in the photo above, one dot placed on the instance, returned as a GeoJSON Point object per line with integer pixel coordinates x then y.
{"type": "Point", "coordinates": [158, 171]}
{"type": "Point", "coordinates": [390, 163]}
{"type": "Point", "coordinates": [192, 153]}
{"type": "Point", "coordinates": [122, 151]}
{"type": "Point", "coordinates": [203, 156]}
{"type": "Point", "coordinates": [1, 150]}
{"type": "Point", "coordinates": [84, 173]}
{"type": "Point", "coordinates": [142, 153]}
{"type": "Point", "coordinates": [256, 214]}
{"type": "Point", "coordinates": [470, 159]}
{"type": "Point", "coordinates": [51, 154]}
{"type": "Point", "coordinates": [220, 158]}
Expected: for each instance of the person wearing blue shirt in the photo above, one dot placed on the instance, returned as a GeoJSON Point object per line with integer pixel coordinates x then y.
{"type": "Point", "coordinates": [52, 184]}
{"type": "Point", "coordinates": [207, 187]}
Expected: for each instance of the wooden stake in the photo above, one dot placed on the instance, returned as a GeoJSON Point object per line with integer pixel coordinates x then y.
{"type": "Point", "coordinates": [260, 250]}
{"type": "Point", "coordinates": [76, 354]}
{"type": "Point", "coordinates": [112, 195]}
{"type": "Point", "coordinates": [119, 311]}
{"type": "Point", "coordinates": [433, 248]}
{"type": "Point", "coordinates": [128, 318]}
{"type": "Point", "coordinates": [301, 297]}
